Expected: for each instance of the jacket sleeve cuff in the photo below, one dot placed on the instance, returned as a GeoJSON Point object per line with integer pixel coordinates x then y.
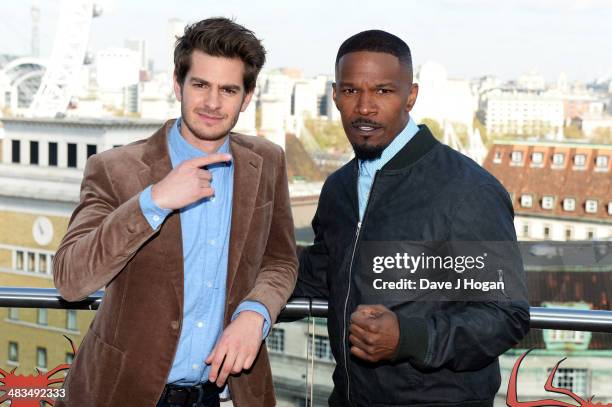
{"type": "Point", "coordinates": [413, 340]}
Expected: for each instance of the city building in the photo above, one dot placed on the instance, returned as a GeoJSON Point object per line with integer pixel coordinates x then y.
{"type": "Point", "coordinates": [445, 100]}
{"type": "Point", "coordinates": [560, 191]}
{"type": "Point", "coordinates": [524, 113]}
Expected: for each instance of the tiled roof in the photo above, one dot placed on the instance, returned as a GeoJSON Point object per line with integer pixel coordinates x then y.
{"type": "Point", "coordinates": [562, 171]}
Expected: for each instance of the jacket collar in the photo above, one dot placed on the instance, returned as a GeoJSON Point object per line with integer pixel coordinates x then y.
{"type": "Point", "coordinates": [417, 147]}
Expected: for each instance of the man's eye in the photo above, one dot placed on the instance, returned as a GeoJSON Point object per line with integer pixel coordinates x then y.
{"type": "Point", "coordinates": [349, 91]}
{"type": "Point", "coordinates": [383, 91]}
{"type": "Point", "coordinates": [198, 85]}
{"type": "Point", "coordinates": [230, 91]}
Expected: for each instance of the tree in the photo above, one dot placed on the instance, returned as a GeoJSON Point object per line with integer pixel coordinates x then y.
{"type": "Point", "coordinates": [573, 132]}
{"type": "Point", "coordinates": [434, 127]}
{"type": "Point", "coordinates": [602, 135]}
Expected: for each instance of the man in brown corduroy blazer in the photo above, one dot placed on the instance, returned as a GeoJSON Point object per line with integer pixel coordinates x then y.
{"type": "Point", "coordinates": [132, 226]}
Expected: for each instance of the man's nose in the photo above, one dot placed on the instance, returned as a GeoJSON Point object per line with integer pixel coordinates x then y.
{"type": "Point", "coordinates": [366, 104]}
{"type": "Point", "coordinates": [212, 99]}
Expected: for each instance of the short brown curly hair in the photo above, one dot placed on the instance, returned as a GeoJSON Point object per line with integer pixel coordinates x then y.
{"type": "Point", "coordinates": [220, 37]}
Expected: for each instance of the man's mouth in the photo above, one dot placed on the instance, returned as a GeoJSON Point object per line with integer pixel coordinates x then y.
{"type": "Point", "coordinates": [366, 127]}
{"type": "Point", "coordinates": [208, 118]}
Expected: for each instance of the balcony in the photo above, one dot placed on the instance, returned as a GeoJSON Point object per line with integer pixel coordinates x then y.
{"type": "Point", "coordinates": [301, 359]}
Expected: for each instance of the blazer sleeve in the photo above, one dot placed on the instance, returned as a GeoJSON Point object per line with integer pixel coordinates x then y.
{"type": "Point", "coordinates": [276, 279]}
{"type": "Point", "coordinates": [103, 235]}
{"type": "Point", "coordinates": [469, 335]}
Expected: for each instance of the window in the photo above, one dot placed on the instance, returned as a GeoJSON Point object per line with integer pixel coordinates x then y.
{"type": "Point", "coordinates": [591, 206]}
{"type": "Point", "coordinates": [42, 263]}
{"type": "Point", "coordinates": [41, 358]}
{"type": "Point", "coordinates": [322, 349]}
{"type": "Point", "coordinates": [53, 154]}
{"type": "Point", "coordinates": [609, 208]}
{"type": "Point", "coordinates": [16, 151]}
{"type": "Point", "coordinates": [569, 204]}
{"type": "Point", "coordinates": [91, 150]}
{"type": "Point", "coordinates": [497, 158]}
{"type": "Point", "coordinates": [568, 233]}
{"type": "Point", "coordinates": [276, 340]}
{"type": "Point", "coordinates": [537, 157]}
{"type": "Point", "coordinates": [548, 202]}
{"type": "Point", "coordinates": [41, 316]}
{"type": "Point", "coordinates": [34, 152]}
{"type": "Point", "coordinates": [525, 229]}
{"type": "Point", "coordinates": [579, 160]}
{"type": "Point", "coordinates": [601, 161]}
{"type": "Point", "coordinates": [19, 260]}
{"type": "Point", "coordinates": [526, 201]}
{"type": "Point", "coordinates": [31, 262]}
{"type": "Point", "coordinates": [71, 319]}
{"type": "Point", "coordinates": [13, 352]}
{"type": "Point", "coordinates": [546, 232]}
{"type": "Point", "coordinates": [517, 157]}
{"type": "Point", "coordinates": [575, 380]}
{"type": "Point", "coordinates": [13, 314]}
{"type": "Point", "coordinates": [590, 234]}
{"type": "Point", "coordinates": [69, 357]}
{"type": "Point", "coordinates": [72, 155]}
{"type": "Point", "coordinates": [558, 159]}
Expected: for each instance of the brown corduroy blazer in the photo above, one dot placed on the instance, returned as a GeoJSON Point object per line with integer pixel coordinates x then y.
{"type": "Point", "coordinates": [126, 356]}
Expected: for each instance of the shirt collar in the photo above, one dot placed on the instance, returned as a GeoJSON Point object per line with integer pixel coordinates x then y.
{"type": "Point", "coordinates": [181, 150]}
{"type": "Point", "coordinates": [392, 149]}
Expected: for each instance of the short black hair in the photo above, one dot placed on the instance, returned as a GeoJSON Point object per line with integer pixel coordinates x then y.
{"type": "Point", "coordinates": [377, 41]}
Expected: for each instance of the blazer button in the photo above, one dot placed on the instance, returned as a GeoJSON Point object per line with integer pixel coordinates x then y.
{"type": "Point", "coordinates": [174, 325]}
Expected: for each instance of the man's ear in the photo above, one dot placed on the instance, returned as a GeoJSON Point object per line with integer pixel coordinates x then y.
{"type": "Point", "coordinates": [178, 89]}
{"type": "Point", "coordinates": [414, 92]}
{"type": "Point", "coordinates": [246, 100]}
{"type": "Point", "coordinates": [334, 94]}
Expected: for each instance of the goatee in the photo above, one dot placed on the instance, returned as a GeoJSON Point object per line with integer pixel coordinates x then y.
{"type": "Point", "coordinates": [368, 153]}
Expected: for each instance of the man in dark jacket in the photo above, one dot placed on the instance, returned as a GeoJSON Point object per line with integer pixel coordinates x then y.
{"type": "Point", "coordinates": [408, 347]}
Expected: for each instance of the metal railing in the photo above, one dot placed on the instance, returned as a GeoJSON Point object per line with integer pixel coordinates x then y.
{"type": "Point", "coordinates": [541, 318]}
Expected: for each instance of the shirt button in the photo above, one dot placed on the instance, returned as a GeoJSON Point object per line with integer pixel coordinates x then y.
{"type": "Point", "coordinates": [212, 242]}
{"type": "Point", "coordinates": [212, 199]}
{"type": "Point", "coordinates": [195, 367]}
{"type": "Point", "coordinates": [200, 324]}
{"type": "Point", "coordinates": [156, 218]}
{"type": "Point", "coordinates": [209, 284]}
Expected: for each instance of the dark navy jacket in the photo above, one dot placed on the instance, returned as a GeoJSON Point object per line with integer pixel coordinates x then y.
{"type": "Point", "coordinates": [448, 353]}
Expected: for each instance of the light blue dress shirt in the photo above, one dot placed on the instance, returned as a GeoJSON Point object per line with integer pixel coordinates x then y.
{"type": "Point", "coordinates": [205, 227]}
{"type": "Point", "coordinates": [368, 168]}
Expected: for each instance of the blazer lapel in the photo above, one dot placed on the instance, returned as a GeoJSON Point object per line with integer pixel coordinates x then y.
{"type": "Point", "coordinates": [247, 171]}
{"type": "Point", "coordinates": [157, 165]}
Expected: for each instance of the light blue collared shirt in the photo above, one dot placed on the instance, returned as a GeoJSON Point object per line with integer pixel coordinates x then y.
{"type": "Point", "coordinates": [205, 227]}
{"type": "Point", "coordinates": [367, 168]}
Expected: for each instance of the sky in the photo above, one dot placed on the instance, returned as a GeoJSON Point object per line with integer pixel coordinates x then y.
{"type": "Point", "coordinates": [470, 38]}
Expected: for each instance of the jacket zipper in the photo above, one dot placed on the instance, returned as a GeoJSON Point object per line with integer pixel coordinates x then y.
{"type": "Point", "coordinates": [350, 279]}
{"type": "Point", "coordinates": [500, 274]}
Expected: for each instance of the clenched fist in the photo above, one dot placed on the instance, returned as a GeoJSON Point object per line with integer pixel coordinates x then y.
{"type": "Point", "coordinates": [374, 333]}
{"type": "Point", "coordinates": [187, 183]}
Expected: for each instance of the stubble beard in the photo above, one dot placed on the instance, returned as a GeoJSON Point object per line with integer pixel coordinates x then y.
{"type": "Point", "coordinates": [201, 135]}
